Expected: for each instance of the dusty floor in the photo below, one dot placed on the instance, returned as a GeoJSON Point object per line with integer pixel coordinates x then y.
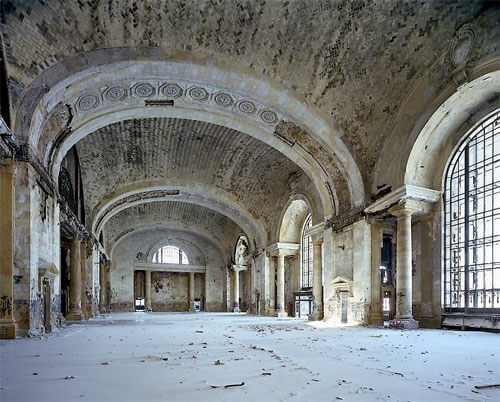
{"type": "Point", "coordinates": [177, 357]}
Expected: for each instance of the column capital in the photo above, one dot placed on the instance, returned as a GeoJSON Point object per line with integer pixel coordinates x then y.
{"type": "Point", "coordinates": [405, 208]}
{"type": "Point", "coordinates": [283, 249]}
{"type": "Point", "coordinates": [405, 193]}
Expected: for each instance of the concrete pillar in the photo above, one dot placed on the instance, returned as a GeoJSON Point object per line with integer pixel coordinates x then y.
{"type": "Point", "coordinates": [191, 292]}
{"type": "Point", "coordinates": [404, 314]}
{"type": "Point", "coordinates": [7, 204]}
{"type": "Point", "coordinates": [236, 290]}
{"type": "Point", "coordinates": [102, 287]}
{"type": "Point", "coordinates": [317, 280]}
{"type": "Point", "coordinates": [75, 282]}
{"type": "Point", "coordinates": [147, 292]}
{"type": "Point", "coordinates": [280, 291]}
{"type": "Point", "coordinates": [375, 316]}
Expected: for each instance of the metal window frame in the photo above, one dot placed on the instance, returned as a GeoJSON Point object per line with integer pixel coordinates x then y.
{"type": "Point", "coordinates": [468, 280]}
{"type": "Point", "coordinates": [306, 266]}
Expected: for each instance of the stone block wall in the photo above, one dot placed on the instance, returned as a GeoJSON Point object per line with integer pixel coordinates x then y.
{"type": "Point", "coordinates": [351, 261]}
{"type": "Point", "coordinates": [37, 247]}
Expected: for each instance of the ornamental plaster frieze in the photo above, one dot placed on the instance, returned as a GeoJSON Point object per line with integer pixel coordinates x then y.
{"type": "Point", "coordinates": [127, 93]}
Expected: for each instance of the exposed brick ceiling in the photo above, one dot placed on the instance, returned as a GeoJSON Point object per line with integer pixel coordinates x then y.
{"type": "Point", "coordinates": [187, 152]}
{"type": "Point", "coordinates": [353, 60]}
{"type": "Point", "coordinates": [174, 215]}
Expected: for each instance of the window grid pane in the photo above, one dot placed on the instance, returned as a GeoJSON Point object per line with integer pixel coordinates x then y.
{"type": "Point", "coordinates": [472, 222]}
{"type": "Point", "coordinates": [170, 255]}
{"type": "Point", "coordinates": [307, 257]}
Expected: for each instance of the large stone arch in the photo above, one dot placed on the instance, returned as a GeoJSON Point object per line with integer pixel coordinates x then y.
{"type": "Point", "coordinates": [292, 220]}
{"type": "Point", "coordinates": [447, 126]}
{"type": "Point", "coordinates": [63, 103]}
{"type": "Point", "coordinates": [218, 250]}
{"type": "Point", "coordinates": [215, 199]}
{"type": "Point", "coordinates": [435, 127]}
{"type": "Point", "coordinates": [189, 248]}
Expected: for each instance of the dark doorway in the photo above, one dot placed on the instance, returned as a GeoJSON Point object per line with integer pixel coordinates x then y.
{"type": "Point", "coordinates": [344, 296]}
{"type": "Point", "coordinates": [46, 292]}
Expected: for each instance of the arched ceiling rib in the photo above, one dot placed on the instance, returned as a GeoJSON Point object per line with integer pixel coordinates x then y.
{"type": "Point", "coordinates": [177, 216]}
{"type": "Point", "coordinates": [136, 244]}
{"type": "Point", "coordinates": [353, 61]}
{"type": "Point", "coordinates": [184, 152]}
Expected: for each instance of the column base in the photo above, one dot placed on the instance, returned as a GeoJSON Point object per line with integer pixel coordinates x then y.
{"type": "Point", "coordinates": [74, 316]}
{"type": "Point", "coordinates": [236, 310]}
{"type": "Point", "coordinates": [375, 320]}
{"type": "Point", "coordinates": [8, 329]}
{"type": "Point", "coordinates": [281, 314]}
{"type": "Point", "coordinates": [403, 323]}
{"type": "Point", "coordinates": [315, 316]}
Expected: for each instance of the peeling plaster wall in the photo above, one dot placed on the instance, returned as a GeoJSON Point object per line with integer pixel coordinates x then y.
{"type": "Point", "coordinates": [173, 292]}
{"type": "Point", "coordinates": [37, 246]}
{"type": "Point", "coordinates": [170, 290]}
{"type": "Point", "coordinates": [352, 261]}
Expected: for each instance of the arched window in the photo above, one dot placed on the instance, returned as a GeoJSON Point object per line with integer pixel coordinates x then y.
{"type": "Point", "coordinates": [306, 266]}
{"type": "Point", "coordinates": [170, 255]}
{"type": "Point", "coordinates": [472, 222]}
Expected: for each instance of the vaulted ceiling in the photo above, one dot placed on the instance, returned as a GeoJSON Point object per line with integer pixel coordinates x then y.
{"type": "Point", "coordinates": [354, 61]}
{"type": "Point", "coordinates": [344, 66]}
{"type": "Point", "coordinates": [174, 216]}
{"type": "Point", "coordinates": [186, 155]}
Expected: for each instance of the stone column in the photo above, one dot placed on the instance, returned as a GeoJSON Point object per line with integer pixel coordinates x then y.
{"type": "Point", "coordinates": [107, 283]}
{"type": "Point", "coordinates": [317, 313]}
{"type": "Point", "coordinates": [272, 286]}
{"type": "Point", "coordinates": [75, 282]}
{"type": "Point", "coordinates": [280, 291]}
{"type": "Point", "coordinates": [7, 204]}
{"type": "Point", "coordinates": [404, 314]}
{"type": "Point", "coordinates": [236, 290]}
{"type": "Point", "coordinates": [147, 291]}
{"type": "Point", "coordinates": [102, 287]}
{"type": "Point", "coordinates": [83, 267]}
{"type": "Point", "coordinates": [191, 292]}
{"type": "Point", "coordinates": [252, 287]}
{"type": "Point", "coordinates": [376, 317]}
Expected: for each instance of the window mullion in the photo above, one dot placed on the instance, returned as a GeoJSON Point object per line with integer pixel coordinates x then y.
{"type": "Point", "coordinates": [466, 200]}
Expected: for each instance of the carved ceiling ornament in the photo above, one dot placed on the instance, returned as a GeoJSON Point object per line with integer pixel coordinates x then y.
{"type": "Point", "coordinates": [143, 90]}
{"type": "Point", "coordinates": [247, 107]}
{"type": "Point", "coordinates": [115, 94]}
{"type": "Point", "coordinates": [198, 93]}
{"type": "Point", "coordinates": [87, 102]}
{"type": "Point", "coordinates": [463, 50]}
{"type": "Point", "coordinates": [171, 90]}
{"type": "Point", "coordinates": [223, 99]}
{"type": "Point", "coordinates": [118, 92]}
